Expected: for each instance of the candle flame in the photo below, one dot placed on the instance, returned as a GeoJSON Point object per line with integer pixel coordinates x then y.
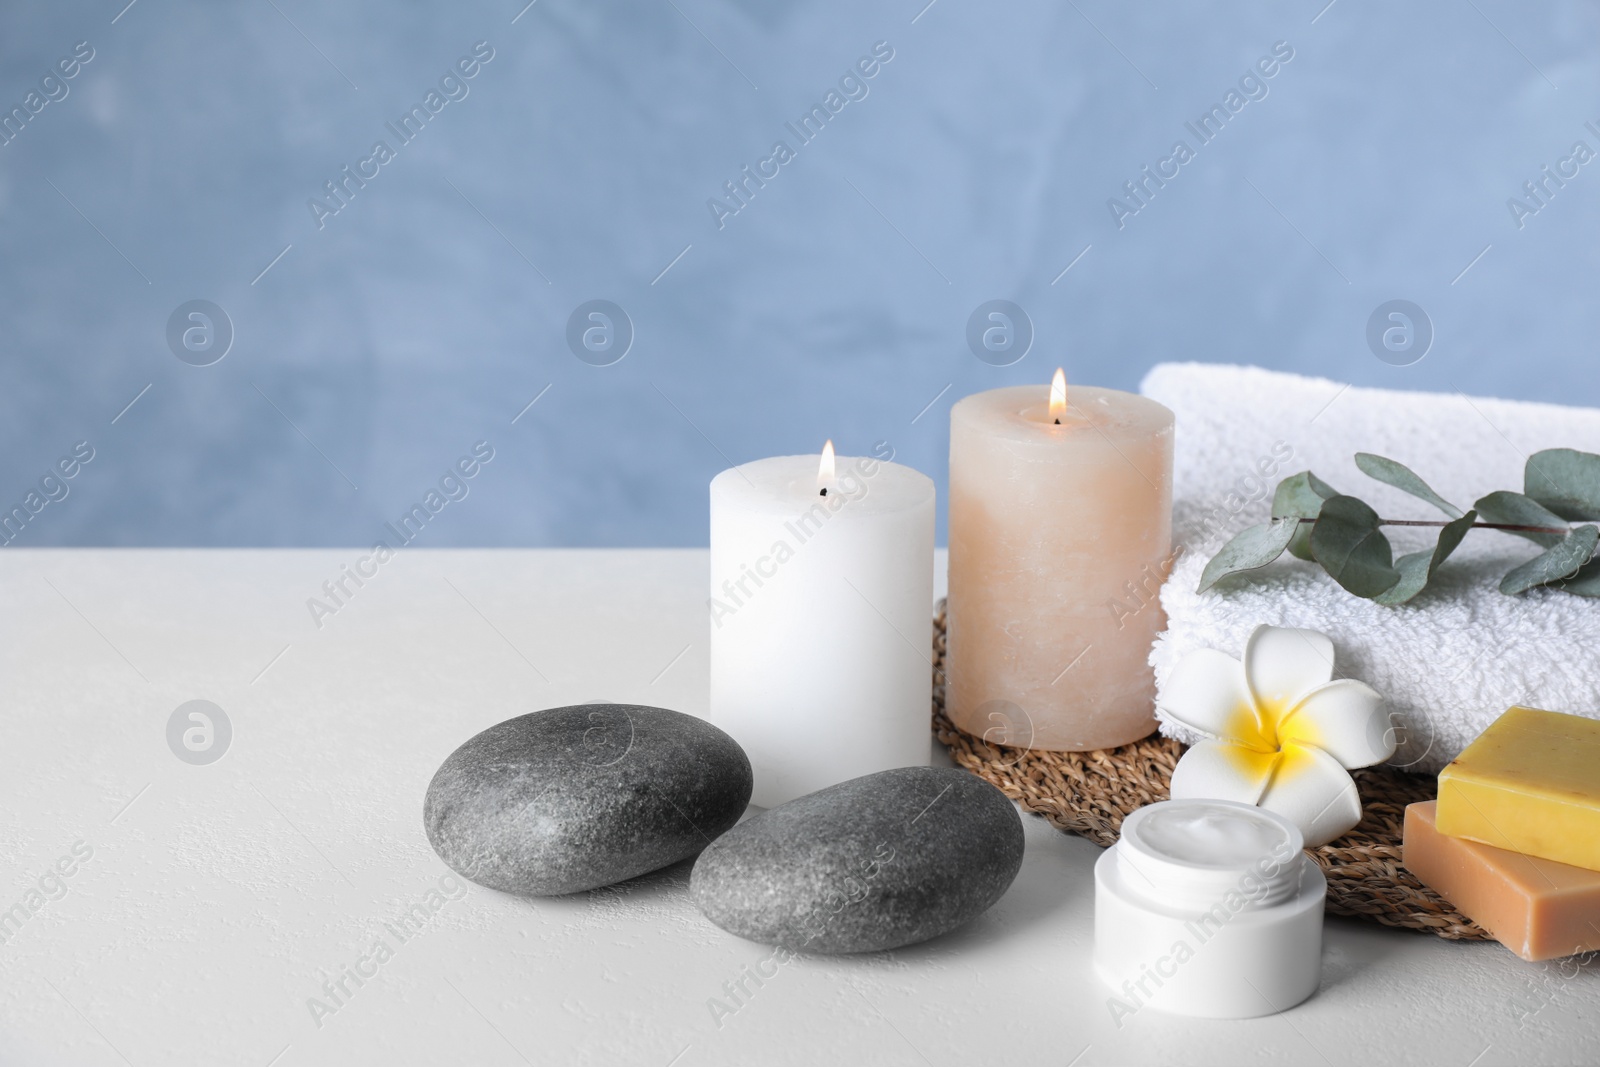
{"type": "Point", "coordinates": [1058, 395]}
{"type": "Point", "coordinates": [825, 469]}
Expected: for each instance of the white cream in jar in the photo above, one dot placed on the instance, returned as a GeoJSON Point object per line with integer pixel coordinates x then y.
{"type": "Point", "coordinates": [1207, 908]}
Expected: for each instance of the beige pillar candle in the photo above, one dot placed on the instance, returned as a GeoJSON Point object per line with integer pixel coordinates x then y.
{"type": "Point", "coordinates": [1060, 535]}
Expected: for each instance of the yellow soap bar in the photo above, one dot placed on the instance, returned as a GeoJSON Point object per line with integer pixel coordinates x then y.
{"type": "Point", "coordinates": [1529, 783]}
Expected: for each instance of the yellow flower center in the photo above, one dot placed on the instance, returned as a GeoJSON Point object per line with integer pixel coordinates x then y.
{"type": "Point", "coordinates": [1256, 727]}
{"type": "Point", "coordinates": [1264, 747]}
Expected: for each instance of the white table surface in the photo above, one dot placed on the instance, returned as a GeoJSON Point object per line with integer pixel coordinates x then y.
{"type": "Point", "coordinates": [218, 898]}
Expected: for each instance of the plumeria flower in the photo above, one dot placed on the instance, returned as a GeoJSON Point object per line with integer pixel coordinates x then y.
{"type": "Point", "coordinates": [1285, 734]}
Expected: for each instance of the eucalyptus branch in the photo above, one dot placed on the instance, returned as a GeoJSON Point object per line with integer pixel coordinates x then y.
{"type": "Point", "coordinates": [1315, 522]}
{"type": "Point", "coordinates": [1559, 531]}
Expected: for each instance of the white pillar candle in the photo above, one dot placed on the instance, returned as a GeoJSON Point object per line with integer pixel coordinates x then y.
{"type": "Point", "coordinates": [821, 617]}
{"type": "Point", "coordinates": [1060, 538]}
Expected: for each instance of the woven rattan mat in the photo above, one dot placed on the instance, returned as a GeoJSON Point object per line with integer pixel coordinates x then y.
{"type": "Point", "coordinates": [1088, 793]}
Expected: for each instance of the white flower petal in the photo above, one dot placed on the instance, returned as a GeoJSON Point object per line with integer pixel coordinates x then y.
{"type": "Point", "coordinates": [1206, 691]}
{"type": "Point", "coordinates": [1345, 719]}
{"type": "Point", "coordinates": [1311, 790]}
{"type": "Point", "coordinates": [1282, 665]}
{"type": "Point", "coordinates": [1216, 770]}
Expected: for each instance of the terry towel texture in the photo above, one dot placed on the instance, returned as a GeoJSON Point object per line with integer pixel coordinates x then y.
{"type": "Point", "coordinates": [1459, 654]}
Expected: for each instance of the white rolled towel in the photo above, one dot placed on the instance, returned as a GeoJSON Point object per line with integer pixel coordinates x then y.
{"type": "Point", "coordinates": [1449, 662]}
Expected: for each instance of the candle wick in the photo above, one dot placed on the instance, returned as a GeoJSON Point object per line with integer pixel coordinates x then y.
{"type": "Point", "coordinates": [824, 491]}
{"type": "Point", "coordinates": [1058, 422]}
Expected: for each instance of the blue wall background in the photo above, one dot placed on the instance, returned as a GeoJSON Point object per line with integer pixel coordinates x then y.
{"type": "Point", "coordinates": [428, 312]}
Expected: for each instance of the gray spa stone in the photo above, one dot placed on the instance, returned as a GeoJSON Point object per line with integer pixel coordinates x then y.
{"type": "Point", "coordinates": [574, 798]}
{"type": "Point", "coordinates": [877, 862]}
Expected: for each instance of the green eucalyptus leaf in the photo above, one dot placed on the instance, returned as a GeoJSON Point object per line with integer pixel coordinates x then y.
{"type": "Point", "coordinates": [1585, 583]}
{"type": "Point", "coordinates": [1563, 560]}
{"type": "Point", "coordinates": [1300, 496]}
{"type": "Point", "coordinates": [1401, 477]}
{"type": "Point", "coordinates": [1517, 510]}
{"type": "Point", "coordinates": [1300, 543]}
{"type": "Point", "coordinates": [1417, 569]}
{"type": "Point", "coordinates": [1346, 541]}
{"type": "Point", "coordinates": [1251, 548]}
{"type": "Point", "coordinates": [1565, 481]}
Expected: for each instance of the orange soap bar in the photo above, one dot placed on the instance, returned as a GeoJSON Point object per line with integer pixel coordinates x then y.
{"type": "Point", "coordinates": [1539, 909]}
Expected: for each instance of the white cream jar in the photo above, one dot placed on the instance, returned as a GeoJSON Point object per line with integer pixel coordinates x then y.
{"type": "Point", "coordinates": [1207, 908]}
